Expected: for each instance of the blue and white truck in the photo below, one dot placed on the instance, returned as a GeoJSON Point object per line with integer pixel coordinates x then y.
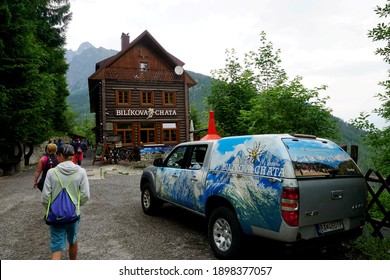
{"type": "Point", "coordinates": [288, 188]}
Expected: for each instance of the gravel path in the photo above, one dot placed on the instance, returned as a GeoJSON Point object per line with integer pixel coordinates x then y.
{"type": "Point", "coordinates": [113, 225]}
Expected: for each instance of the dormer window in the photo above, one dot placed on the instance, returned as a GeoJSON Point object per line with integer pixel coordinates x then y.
{"type": "Point", "coordinates": [144, 66]}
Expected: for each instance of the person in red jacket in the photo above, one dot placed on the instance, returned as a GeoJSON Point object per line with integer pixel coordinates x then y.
{"type": "Point", "coordinates": [78, 156]}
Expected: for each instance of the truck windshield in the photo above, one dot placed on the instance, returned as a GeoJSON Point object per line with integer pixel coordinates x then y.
{"type": "Point", "coordinates": [311, 157]}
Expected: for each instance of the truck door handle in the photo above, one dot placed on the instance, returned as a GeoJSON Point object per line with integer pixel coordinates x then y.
{"type": "Point", "coordinates": [175, 175]}
{"type": "Point", "coordinates": [274, 179]}
{"type": "Point", "coordinates": [194, 179]}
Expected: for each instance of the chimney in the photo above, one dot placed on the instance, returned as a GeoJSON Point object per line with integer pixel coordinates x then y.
{"type": "Point", "coordinates": [125, 40]}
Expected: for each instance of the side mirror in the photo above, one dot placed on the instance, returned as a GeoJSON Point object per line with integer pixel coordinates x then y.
{"type": "Point", "coordinates": [158, 162]}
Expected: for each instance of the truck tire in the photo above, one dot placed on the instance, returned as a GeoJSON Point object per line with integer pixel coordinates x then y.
{"type": "Point", "coordinates": [149, 202]}
{"type": "Point", "coordinates": [224, 233]}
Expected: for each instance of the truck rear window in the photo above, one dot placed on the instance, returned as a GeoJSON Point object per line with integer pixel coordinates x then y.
{"type": "Point", "coordinates": [313, 157]}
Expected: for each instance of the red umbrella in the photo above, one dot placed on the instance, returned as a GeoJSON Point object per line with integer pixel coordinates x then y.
{"type": "Point", "coordinates": [212, 131]}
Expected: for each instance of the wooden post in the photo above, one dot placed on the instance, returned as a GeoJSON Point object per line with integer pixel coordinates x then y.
{"type": "Point", "coordinates": [354, 152]}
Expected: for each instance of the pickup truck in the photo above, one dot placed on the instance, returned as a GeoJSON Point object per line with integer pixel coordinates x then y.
{"type": "Point", "coordinates": [287, 188]}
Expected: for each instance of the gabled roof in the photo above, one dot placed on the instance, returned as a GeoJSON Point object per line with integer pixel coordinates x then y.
{"type": "Point", "coordinates": [148, 39]}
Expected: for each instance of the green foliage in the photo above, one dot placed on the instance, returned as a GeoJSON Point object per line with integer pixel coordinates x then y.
{"type": "Point", "coordinates": [381, 32]}
{"type": "Point", "coordinates": [194, 116]}
{"type": "Point", "coordinates": [81, 125]}
{"type": "Point", "coordinates": [257, 98]}
{"type": "Point", "coordinates": [350, 135]}
{"type": "Point", "coordinates": [373, 247]}
{"type": "Point", "coordinates": [378, 139]}
{"type": "Point", "coordinates": [264, 65]}
{"type": "Point", "coordinates": [198, 97]}
{"type": "Point", "coordinates": [86, 126]}
{"type": "Point", "coordinates": [33, 88]}
{"type": "Point", "coordinates": [290, 108]}
{"type": "Point", "coordinates": [231, 90]}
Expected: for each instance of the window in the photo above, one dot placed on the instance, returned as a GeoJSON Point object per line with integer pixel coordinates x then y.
{"type": "Point", "coordinates": [313, 157]}
{"type": "Point", "coordinates": [147, 132]}
{"type": "Point", "coordinates": [125, 130]}
{"type": "Point", "coordinates": [177, 158]}
{"type": "Point", "coordinates": [197, 157]}
{"type": "Point", "coordinates": [187, 157]}
{"type": "Point", "coordinates": [170, 132]}
{"type": "Point", "coordinates": [122, 97]}
{"type": "Point", "coordinates": [147, 98]}
{"type": "Point", "coordinates": [169, 98]}
{"type": "Point", "coordinates": [143, 66]}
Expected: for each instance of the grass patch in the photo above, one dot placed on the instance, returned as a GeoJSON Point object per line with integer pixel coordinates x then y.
{"type": "Point", "coordinates": [374, 248]}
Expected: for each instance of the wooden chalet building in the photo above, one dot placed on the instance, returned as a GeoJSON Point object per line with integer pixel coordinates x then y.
{"type": "Point", "coordinates": [141, 96]}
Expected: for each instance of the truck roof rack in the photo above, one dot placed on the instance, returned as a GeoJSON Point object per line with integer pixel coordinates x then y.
{"type": "Point", "coordinates": [304, 136]}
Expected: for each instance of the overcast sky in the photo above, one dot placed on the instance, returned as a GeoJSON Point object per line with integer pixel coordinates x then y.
{"type": "Point", "coordinates": [324, 41]}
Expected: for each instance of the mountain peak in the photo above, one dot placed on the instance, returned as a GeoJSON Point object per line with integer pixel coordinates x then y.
{"type": "Point", "coordinates": [84, 46]}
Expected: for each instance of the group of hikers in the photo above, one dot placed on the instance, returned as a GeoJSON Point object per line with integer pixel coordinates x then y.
{"type": "Point", "coordinates": [62, 163]}
{"type": "Point", "coordinates": [50, 159]}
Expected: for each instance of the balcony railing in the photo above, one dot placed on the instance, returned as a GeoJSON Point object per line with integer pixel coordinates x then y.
{"type": "Point", "coordinates": [130, 74]}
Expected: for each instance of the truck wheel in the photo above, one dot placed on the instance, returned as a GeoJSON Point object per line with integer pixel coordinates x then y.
{"type": "Point", "coordinates": [224, 233]}
{"type": "Point", "coordinates": [149, 202]}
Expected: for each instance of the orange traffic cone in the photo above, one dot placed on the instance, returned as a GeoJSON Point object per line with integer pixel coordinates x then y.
{"type": "Point", "coordinates": [212, 131]}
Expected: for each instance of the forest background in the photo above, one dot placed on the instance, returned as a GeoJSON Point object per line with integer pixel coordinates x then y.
{"type": "Point", "coordinates": [43, 88]}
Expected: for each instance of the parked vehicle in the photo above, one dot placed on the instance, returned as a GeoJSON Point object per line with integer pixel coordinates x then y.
{"type": "Point", "coordinates": [288, 188]}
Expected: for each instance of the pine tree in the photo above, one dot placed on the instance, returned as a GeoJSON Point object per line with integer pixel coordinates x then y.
{"type": "Point", "coordinates": [33, 86]}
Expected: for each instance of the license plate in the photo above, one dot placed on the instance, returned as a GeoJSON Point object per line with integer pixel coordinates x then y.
{"type": "Point", "coordinates": [330, 227]}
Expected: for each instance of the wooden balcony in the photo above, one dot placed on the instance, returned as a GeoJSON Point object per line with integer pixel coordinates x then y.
{"type": "Point", "coordinates": [134, 75]}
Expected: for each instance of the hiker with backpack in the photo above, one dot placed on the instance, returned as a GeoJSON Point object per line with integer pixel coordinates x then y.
{"type": "Point", "coordinates": [78, 157]}
{"type": "Point", "coordinates": [49, 160]}
{"type": "Point", "coordinates": [66, 188]}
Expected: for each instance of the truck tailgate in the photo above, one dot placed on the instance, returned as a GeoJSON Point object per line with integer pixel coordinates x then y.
{"type": "Point", "coordinates": [330, 199]}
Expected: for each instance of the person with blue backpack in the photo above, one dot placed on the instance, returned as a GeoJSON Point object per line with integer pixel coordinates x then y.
{"type": "Point", "coordinates": [66, 188]}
